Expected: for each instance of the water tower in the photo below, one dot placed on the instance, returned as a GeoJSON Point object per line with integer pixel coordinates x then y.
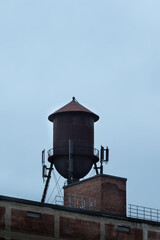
{"type": "Point", "coordinates": [73, 153]}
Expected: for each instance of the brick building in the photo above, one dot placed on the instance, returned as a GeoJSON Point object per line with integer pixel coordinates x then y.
{"type": "Point", "coordinates": [106, 220]}
{"type": "Point", "coordinates": [91, 209]}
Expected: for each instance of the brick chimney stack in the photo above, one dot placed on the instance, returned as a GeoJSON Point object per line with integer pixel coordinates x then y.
{"type": "Point", "coordinates": [108, 191]}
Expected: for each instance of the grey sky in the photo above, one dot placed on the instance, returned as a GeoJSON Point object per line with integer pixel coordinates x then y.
{"type": "Point", "coordinates": [106, 54]}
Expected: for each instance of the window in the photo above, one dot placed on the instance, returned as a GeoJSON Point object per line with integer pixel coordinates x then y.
{"type": "Point", "coordinates": [33, 214]}
{"type": "Point", "coordinates": [123, 229]}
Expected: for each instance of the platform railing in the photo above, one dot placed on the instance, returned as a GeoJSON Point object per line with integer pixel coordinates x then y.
{"type": "Point", "coordinates": [88, 203]}
{"type": "Point", "coordinates": [145, 213]}
{"type": "Point", "coordinates": [82, 150]}
{"type": "Point", "coordinates": [76, 201]}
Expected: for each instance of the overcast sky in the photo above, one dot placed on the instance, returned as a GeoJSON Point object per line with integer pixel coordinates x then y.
{"type": "Point", "coordinates": [107, 55]}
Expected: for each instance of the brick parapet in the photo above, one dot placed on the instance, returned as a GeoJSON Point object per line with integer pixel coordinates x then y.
{"type": "Point", "coordinates": [75, 224]}
{"type": "Point", "coordinates": [108, 191]}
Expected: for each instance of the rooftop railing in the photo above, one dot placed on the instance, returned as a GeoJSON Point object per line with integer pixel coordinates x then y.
{"type": "Point", "coordinates": [88, 203]}
{"type": "Point", "coordinates": [76, 201]}
{"type": "Point", "coordinates": [145, 213]}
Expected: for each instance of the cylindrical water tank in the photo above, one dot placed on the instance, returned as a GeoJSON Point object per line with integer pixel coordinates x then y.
{"type": "Point", "coordinates": [76, 123]}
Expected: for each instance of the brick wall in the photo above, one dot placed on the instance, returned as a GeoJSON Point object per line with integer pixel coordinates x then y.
{"type": "Point", "coordinates": [45, 222]}
{"type": "Point", "coordinates": [79, 229]}
{"type": "Point", "coordinates": [2, 217]}
{"type": "Point", "coordinates": [114, 233]}
{"type": "Point", "coordinates": [113, 195]}
{"type": "Point", "coordinates": [88, 188]}
{"type": "Point", "coordinates": [153, 235]}
{"type": "Point", "coordinates": [26, 221]}
{"type": "Point", "coordinates": [109, 192]}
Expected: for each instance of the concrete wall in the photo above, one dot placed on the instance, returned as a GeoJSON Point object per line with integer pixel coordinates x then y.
{"type": "Point", "coordinates": [22, 219]}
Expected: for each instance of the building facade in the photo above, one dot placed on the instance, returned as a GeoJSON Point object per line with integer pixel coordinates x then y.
{"type": "Point", "coordinates": [79, 217]}
{"type": "Point", "coordinates": [91, 209]}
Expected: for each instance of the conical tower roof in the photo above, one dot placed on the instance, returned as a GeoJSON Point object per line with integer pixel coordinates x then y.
{"type": "Point", "coordinates": [73, 106]}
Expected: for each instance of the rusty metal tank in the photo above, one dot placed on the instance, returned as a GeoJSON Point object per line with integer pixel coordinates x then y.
{"type": "Point", "coordinates": [73, 122]}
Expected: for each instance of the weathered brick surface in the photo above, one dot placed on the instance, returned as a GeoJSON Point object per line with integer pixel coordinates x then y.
{"type": "Point", "coordinates": [90, 188]}
{"type": "Point", "coordinates": [153, 235]}
{"type": "Point", "coordinates": [79, 229]}
{"type": "Point", "coordinates": [112, 233]}
{"type": "Point", "coordinates": [22, 222]}
{"type": "Point", "coordinates": [2, 217]}
{"type": "Point", "coordinates": [113, 199]}
{"type": "Point", "coordinates": [109, 192]}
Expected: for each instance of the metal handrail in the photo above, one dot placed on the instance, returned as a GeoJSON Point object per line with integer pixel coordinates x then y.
{"type": "Point", "coordinates": [76, 201]}
{"type": "Point", "coordinates": [145, 213]}
{"type": "Point", "coordinates": [77, 149]}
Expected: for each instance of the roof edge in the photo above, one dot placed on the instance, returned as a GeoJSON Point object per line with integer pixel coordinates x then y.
{"type": "Point", "coordinates": [73, 107]}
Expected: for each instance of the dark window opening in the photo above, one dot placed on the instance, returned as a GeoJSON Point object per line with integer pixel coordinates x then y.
{"type": "Point", "coordinates": [123, 229]}
{"type": "Point", "coordinates": [33, 214]}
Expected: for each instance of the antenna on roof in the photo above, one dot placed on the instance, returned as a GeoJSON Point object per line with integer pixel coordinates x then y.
{"type": "Point", "coordinates": [44, 167]}
{"type": "Point", "coordinates": [104, 159]}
